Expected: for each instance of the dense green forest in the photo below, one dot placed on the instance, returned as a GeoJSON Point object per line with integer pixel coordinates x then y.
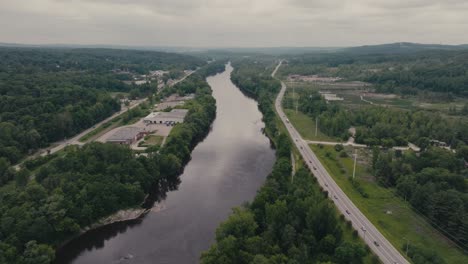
{"type": "Point", "coordinates": [434, 182]}
{"type": "Point", "coordinates": [70, 192]}
{"type": "Point", "coordinates": [441, 71]}
{"type": "Point", "coordinates": [254, 80]}
{"type": "Point", "coordinates": [50, 94]}
{"type": "Point", "coordinates": [288, 222]}
{"type": "Point", "coordinates": [376, 125]}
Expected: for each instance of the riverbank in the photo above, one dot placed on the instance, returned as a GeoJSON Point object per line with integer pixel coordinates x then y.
{"type": "Point", "coordinates": [289, 215]}
{"type": "Point", "coordinates": [121, 216]}
{"type": "Point", "coordinates": [225, 170]}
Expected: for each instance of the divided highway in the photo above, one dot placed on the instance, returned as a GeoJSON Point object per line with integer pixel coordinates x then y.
{"type": "Point", "coordinates": [372, 237]}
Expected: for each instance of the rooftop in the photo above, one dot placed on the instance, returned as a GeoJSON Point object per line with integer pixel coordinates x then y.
{"type": "Point", "coordinates": [125, 133]}
{"type": "Point", "coordinates": [174, 113]}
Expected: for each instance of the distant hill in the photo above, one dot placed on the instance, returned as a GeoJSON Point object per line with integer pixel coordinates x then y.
{"type": "Point", "coordinates": [391, 48]}
{"type": "Point", "coordinates": [401, 47]}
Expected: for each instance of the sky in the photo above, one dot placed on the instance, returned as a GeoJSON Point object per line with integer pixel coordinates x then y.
{"type": "Point", "coordinates": [234, 23]}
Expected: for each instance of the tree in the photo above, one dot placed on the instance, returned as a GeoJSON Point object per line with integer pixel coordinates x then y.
{"type": "Point", "coordinates": [22, 177]}
{"type": "Point", "coordinates": [349, 253]}
{"type": "Point", "coordinates": [37, 254]}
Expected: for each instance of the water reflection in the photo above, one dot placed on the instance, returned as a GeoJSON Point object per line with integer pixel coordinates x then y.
{"type": "Point", "coordinates": [226, 169]}
{"type": "Point", "coordinates": [95, 238]}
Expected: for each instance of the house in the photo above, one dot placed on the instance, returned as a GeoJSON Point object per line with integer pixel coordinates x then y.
{"type": "Point", "coordinates": [437, 143]}
{"type": "Point", "coordinates": [126, 135]}
{"type": "Point", "coordinates": [175, 116]}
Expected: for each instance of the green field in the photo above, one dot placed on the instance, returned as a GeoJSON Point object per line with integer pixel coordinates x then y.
{"type": "Point", "coordinates": [152, 140]}
{"type": "Point", "coordinates": [306, 126]}
{"type": "Point", "coordinates": [391, 215]}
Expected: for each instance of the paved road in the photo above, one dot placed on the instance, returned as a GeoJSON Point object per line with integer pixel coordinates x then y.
{"type": "Point", "coordinates": [332, 143]}
{"type": "Point", "coordinates": [376, 241]}
{"type": "Point", "coordinates": [75, 140]}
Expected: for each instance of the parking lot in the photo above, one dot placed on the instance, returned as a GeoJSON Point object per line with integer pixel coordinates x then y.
{"type": "Point", "coordinates": [160, 130]}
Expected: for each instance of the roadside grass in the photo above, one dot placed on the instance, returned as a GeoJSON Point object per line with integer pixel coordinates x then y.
{"type": "Point", "coordinates": [402, 223]}
{"type": "Point", "coordinates": [370, 258]}
{"type": "Point", "coordinates": [113, 123]}
{"type": "Point", "coordinates": [305, 125]}
{"type": "Point", "coordinates": [101, 129]}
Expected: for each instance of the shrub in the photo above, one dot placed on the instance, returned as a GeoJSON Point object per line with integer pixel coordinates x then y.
{"type": "Point", "coordinates": [339, 147]}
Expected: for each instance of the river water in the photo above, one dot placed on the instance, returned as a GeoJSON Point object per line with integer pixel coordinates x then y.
{"type": "Point", "coordinates": [226, 169]}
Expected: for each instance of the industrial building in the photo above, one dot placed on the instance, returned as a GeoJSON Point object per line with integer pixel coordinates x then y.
{"type": "Point", "coordinates": [126, 135]}
{"type": "Point", "coordinates": [174, 116]}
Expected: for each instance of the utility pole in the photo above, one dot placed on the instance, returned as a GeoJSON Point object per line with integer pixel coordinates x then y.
{"type": "Point", "coordinates": [295, 97]}
{"type": "Point", "coordinates": [355, 158]}
{"type": "Point", "coordinates": [297, 102]}
{"type": "Point", "coordinates": [407, 244]}
{"type": "Point", "coordinates": [316, 126]}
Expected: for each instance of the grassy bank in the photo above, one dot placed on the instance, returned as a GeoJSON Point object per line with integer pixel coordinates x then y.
{"type": "Point", "coordinates": [391, 215]}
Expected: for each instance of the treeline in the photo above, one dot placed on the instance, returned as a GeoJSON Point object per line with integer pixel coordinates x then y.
{"type": "Point", "coordinates": [438, 71]}
{"type": "Point", "coordinates": [98, 60]}
{"type": "Point", "coordinates": [51, 94]}
{"type": "Point", "coordinates": [212, 68]}
{"type": "Point", "coordinates": [254, 80]}
{"type": "Point", "coordinates": [288, 221]}
{"type": "Point", "coordinates": [196, 80]}
{"type": "Point", "coordinates": [434, 182]}
{"type": "Point", "coordinates": [384, 126]}
{"type": "Point", "coordinates": [41, 210]}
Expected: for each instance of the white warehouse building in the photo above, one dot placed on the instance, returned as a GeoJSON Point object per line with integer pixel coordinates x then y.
{"type": "Point", "coordinates": [176, 116]}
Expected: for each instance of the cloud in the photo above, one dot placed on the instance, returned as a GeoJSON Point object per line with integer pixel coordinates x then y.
{"type": "Point", "coordinates": [233, 23]}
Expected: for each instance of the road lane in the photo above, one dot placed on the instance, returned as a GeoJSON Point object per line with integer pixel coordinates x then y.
{"type": "Point", "coordinates": [75, 139]}
{"type": "Point", "coordinates": [384, 250]}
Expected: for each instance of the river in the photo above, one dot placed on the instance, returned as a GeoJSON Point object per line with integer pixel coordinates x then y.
{"type": "Point", "coordinates": [226, 169]}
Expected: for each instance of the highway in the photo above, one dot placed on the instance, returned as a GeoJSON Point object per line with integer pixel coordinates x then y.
{"type": "Point", "coordinates": [372, 237]}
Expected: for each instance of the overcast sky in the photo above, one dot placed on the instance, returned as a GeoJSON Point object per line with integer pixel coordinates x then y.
{"type": "Point", "coordinates": [233, 23]}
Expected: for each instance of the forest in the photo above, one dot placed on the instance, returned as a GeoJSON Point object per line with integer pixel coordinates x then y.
{"type": "Point", "coordinates": [61, 195]}
{"type": "Point", "coordinates": [255, 81]}
{"type": "Point", "coordinates": [434, 183]}
{"type": "Point", "coordinates": [288, 222]}
{"type": "Point", "coordinates": [441, 71]}
{"type": "Point", "coordinates": [377, 125]}
{"type": "Point", "coordinates": [48, 95]}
